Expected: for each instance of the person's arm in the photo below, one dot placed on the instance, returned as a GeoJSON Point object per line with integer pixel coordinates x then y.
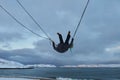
{"type": "Point", "coordinates": [53, 44]}
{"type": "Point", "coordinates": [71, 43]}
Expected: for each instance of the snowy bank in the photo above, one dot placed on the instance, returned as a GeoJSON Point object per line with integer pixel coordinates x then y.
{"type": "Point", "coordinates": [93, 65]}
{"type": "Point", "coordinates": [40, 65]}
{"type": "Point", "coordinates": [10, 64]}
{"type": "Point", "coordinates": [13, 64]}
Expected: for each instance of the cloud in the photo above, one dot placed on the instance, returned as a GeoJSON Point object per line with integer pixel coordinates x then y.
{"type": "Point", "coordinates": [97, 37]}
{"type": "Point", "coordinates": [8, 37]}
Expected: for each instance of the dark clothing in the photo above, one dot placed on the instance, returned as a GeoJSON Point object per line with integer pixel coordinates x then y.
{"type": "Point", "coordinates": [63, 46]}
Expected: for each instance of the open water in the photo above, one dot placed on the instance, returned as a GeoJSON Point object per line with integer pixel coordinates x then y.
{"type": "Point", "coordinates": [66, 73]}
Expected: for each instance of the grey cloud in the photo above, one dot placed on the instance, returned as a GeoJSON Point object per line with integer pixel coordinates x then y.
{"type": "Point", "coordinates": [8, 37]}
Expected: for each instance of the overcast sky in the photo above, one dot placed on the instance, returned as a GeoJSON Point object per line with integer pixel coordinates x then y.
{"type": "Point", "coordinates": [97, 40]}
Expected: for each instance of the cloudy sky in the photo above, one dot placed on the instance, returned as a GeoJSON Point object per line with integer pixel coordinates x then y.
{"type": "Point", "coordinates": [97, 40]}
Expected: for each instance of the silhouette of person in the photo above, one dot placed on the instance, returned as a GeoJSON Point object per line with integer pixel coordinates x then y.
{"type": "Point", "coordinates": [63, 46]}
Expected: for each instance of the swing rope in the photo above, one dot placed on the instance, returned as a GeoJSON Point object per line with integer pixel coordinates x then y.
{"type": "Point", "coordinates": [80, 19]}
{"type": "Point", "coordinates": [78, 25]}
{"type": "Point", "coordinates": [33, 19]}
{"type": "Point", "coordinates": [21, 23]}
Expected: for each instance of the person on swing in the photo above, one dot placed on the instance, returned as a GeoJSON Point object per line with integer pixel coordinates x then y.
{"type": "Point", "coordinates": [63, 46]}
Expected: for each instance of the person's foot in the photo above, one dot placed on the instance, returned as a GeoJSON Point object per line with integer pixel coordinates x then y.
{"type": "Point", "coordinates": [58, 33]}
{"type": "Point", "coordinates": [69, 32]}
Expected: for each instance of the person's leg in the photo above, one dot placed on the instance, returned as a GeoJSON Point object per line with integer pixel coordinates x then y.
{"type": "Point", "coordinates": [71, 43]}
{"type": "Point", "coordinates": [60, 37]}
{"type": "Point", "coordinates": [68, 38]}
